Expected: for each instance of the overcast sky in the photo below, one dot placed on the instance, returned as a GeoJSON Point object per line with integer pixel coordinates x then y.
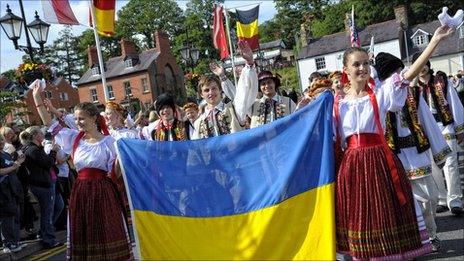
{"type": "Point", "coordinates": [11, 58]}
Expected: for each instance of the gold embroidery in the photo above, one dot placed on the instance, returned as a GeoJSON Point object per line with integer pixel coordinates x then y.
{"type": "Point", "coordinates": [440, 156]}
{"type": "Point", "coordinates": [449, 136]}
{"type": "Point", "coordinates": [419, 172]}
{"type": "Point", "coordinates": [458, 129]}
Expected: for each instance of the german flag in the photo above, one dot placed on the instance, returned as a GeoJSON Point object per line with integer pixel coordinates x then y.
{"type": "Point", "coordinates": [247, 26]}
{"type": "Point", "coordinates": [104, 16]}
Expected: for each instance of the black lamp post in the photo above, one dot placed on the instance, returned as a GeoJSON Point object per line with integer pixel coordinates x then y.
{"type": "Point", "coordinates": [190, 55]}
{"type": "Point", "coordinates": [12, 26]}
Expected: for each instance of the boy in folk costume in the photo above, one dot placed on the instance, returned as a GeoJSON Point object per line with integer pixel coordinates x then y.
{"type": "Point", "coordinates": [168, 128]}
{"type": "Point", "coordinates": [448, 112]}
{"type": "Point", "coordinates": [221, 118]}
{"type": "Point", "coordinates": [191, 114]}
{"type": "Point", "coordinates": [414, 136]}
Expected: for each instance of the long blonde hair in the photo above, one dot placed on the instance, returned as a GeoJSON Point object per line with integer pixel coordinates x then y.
{"type": "Point", "coordinates": [28, 134]}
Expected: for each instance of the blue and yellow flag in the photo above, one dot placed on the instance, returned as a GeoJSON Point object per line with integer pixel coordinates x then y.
{"type": "Point", "coordinates": [264, 193]}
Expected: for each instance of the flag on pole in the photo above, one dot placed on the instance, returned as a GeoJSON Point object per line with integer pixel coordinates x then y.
{"type": "Point", "coordinates": [371, 47]}
{"type": "Point", "coordinates": [254, 194]}
{"type": "Point", "coordinates": [219, 35]}
{"type": "Point", "coordinates": [104, 16]}
{"type": "Point", "coordinates": [58, 12]}
{"type": "Point", "coordinates": [354, 36]}
{"type": "Point", "coordinates": [247, 26]}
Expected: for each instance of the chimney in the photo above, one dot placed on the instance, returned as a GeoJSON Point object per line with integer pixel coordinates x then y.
{"type": "Point", "coordinates": [127, 48]}
{"type": "Point", "coordinates": [162, 41]}
{"type": "Point", "coordinates": [401, 15]}
{"type": "Point", "coordinates": [303, 36]}
{"type": "Point", "coordinates": [92, 55]}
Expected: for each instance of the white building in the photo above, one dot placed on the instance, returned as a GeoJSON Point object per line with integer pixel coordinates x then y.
{"type": "Point", "coordinates": [394, 36]}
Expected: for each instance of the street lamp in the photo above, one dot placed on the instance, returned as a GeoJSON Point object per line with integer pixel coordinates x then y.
{"type": "Point", "coordinates": [190, 55]}
{"type": "Point", "coordinates": [12, 26]}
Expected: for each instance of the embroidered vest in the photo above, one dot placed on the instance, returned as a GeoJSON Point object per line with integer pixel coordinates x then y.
{"type": "Point", "coordinates": [178, 132]}
{"type": "Point", "coordinates": [207, 127]}
{"type": "Point", "coordinates": [438, 91]}
{"type": "Point", "coordinates": [409, 113]}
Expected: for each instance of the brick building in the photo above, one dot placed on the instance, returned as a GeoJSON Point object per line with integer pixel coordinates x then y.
{"type": "Point", "coordinates": [59, 91]}
{"type": "Point", "coordinates": [134, 78]}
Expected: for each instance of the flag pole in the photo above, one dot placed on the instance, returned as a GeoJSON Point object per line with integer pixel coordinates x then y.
{"type": "Point", "coordinates": [232, 55]}
{"type": "Point", "coordinates": [100, 57]}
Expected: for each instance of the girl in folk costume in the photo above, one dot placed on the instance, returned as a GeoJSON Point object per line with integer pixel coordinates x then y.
{"type": "Point", "coordinates": [221, 118]}
{"type": "Point", "coordinates": [414, 136]}
{"type": "Point", "coordinates": [169, 127]}
{"type": "Point", "coordinates": [97, 227]}
{"type": "Point", "coordinates": [375, 211]}
{"type": "Point", "coordinates": [448, 112]}
{"type": "Point", "coordinates": [114, 116]}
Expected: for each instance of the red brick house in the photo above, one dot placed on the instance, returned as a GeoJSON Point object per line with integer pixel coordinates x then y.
{"type": "Point", "coordinates": [134, 78]}
{"type": "Point", "coordinates": [59, 91]}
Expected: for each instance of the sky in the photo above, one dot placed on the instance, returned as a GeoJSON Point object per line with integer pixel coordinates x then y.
{"type": "Point", "coordinates": [11, 58]}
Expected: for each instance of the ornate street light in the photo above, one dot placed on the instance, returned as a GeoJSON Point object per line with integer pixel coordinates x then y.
{"type": "Point", "coordinates": [190, 55]}
{"type": "Point", "coordinates": [12, 25]}
{"type": "Point", "coordinates": [39, 31]}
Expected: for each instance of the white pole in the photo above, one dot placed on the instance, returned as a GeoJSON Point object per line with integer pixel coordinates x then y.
{"type": "Point", "coordinates": [100, 57]}
{"type": "Point", "coordinates": [232, 55]}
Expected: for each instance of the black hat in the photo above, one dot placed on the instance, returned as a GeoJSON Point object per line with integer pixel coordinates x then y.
{"type": "Point", "coordinates": [165, 99]}
{"type": "Point", "coordinates": [267, 74]}
{"type": "Point", "coordinates": [386, 64]}
{"type": "Point", "coordinates": [416, 55]}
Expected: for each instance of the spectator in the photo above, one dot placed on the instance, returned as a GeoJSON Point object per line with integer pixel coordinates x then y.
{"type": "Point", "coordinates": [39, 164]}
{"type": "Point", "coordinates": [460, 87]}
{"type": "Point", "coordinates": [10, 197]}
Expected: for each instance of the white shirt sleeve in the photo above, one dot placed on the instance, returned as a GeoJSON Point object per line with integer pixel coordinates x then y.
{"type": "Point", "coordinates": [65, 138]}
{"type": "Point", "coordinates": [228, 88]}
{"type": "Point", "coordinates": [246, 92]}
{"type": "Point", "coordinates": [456, 108]}
{"type": "Point", "coordinates": [392, 93]}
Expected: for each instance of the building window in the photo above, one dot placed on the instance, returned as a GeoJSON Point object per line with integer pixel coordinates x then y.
{"type": "Point", "coordinates": [145, 85]}
{"type": "Point", "coordinates": [320, 63]}
{"type": "Point", "coordinates": [109, 88]}
{"type": "Point", "coordinates": [93, 95]}
{"type": "Point", "coordinates": [95, 70]}
{"type": "Point", "coordinates": [48, 94]}
{"type": "Point", "coordinates": [420, 40]}
{"type": "Point", "coordinates": [63, 96]}
{"type": "Point", "coordinates": [461, 31]}
{"type": "Point", "coordinates": [127, 88]}
{"type": "Point", "coordinates": [128, 63]}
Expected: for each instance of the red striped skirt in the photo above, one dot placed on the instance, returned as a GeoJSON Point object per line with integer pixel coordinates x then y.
{"type": "Point", "coordinates": [371, 223]}
{"type": "Point", "coordinates": [96, 218]}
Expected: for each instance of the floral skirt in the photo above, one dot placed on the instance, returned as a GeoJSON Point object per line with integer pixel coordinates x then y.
{"type": "Point", "coordinates": [97, 228]}
{"type": "Point", "coordinates": [371, 223]}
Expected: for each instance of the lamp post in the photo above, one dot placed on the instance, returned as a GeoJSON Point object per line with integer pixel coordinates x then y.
{"type": "Point", "coordinates": [12, 26]}
{"type": "Point", "coordinates": [190, 55]}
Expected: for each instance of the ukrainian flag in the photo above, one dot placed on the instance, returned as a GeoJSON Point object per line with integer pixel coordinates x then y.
{"type": "Point", "coordinates": [264, 193]}
{"type": "Point", "coordinates": [247, 26]}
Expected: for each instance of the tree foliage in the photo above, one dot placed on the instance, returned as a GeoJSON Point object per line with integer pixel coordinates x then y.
{"type": "Point", "coordinates": [9, 101]}
{"type": "Point", "coordinates": [146, 16]}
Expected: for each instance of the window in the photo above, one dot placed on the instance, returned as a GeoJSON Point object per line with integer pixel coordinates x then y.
{"type": "Point", "coordinates": [461, 31]}
{"type": "Point", "coordinates": [128, 63]}
{"type": "Point", "coordinates": [109, 88]}
{"type": "Point", "coordinates": [93, 95]}
{"type": "Point", "coordinates": [320, 63]}
{"type": "Point", "coordinates": [48, 94]}
{"type": "Point", "coordinates": [95, 70]}
{"type": "Point", "coordinates": [170, 79]}
{"type": "Point", "coordinates": [127, 88]}
{"type": "Point", "coordinates": [145, 85]}
{"type": "Point", "coordinates": [64, 96]}
{"type": "Point", "coordinates": [420, 40]}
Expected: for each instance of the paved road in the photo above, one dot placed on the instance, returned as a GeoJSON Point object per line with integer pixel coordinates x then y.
{"type": "Point", "coordinates": [450, 231]}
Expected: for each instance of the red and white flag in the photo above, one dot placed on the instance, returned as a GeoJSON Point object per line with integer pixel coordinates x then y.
{"type": "Point", "coordinates": [58, 12]}
{"type": "Point", "coordinates": [219, 35]}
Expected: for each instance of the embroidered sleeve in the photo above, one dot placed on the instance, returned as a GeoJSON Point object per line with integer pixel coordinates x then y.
{"type": "Point", "coordinates": [456, 108]}
{"type": "Point", "coordinates": [392, 93]}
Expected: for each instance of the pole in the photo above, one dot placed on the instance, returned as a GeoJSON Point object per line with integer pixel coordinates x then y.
{"type": "Point", "coordinates": [100, 58]}
{"type": "Point", "coordinates": [406, 47]}
{"type": "Point", "coordinates": [28, 40]}
{"type": "Point", "coordinates": [232, 56]}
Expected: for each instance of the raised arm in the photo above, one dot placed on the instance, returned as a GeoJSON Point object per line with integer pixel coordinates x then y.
{"type": "Point", "coordinates": [227, 86]}
{"type": "Point", "coordinates": [39, 104]}
{"type": "Point", "coordinates": [441, 33]}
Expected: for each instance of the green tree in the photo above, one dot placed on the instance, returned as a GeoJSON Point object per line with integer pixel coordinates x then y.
{"type": "Point", "coordinates": [289, 79]}
{"type": "Point", "coordinates": [146, 16]}
{"type": "Point", "coordinates": [10, 74]}
{"type": "Point", "coordinates": [9, 101]}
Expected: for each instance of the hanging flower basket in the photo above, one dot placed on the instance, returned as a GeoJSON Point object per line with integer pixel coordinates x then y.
{"type": "Point", "coordinates": [27, 73]}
